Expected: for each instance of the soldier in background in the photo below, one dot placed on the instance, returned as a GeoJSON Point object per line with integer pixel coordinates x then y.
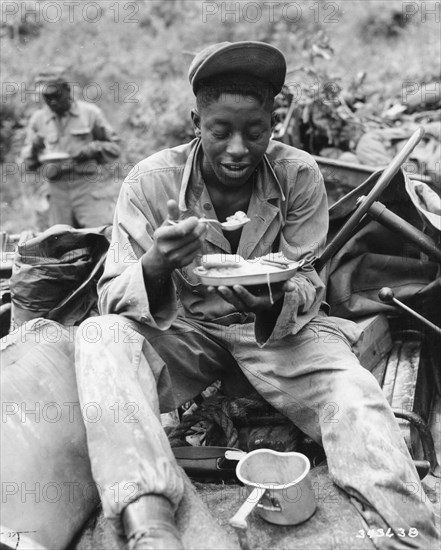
{"type": "Point", "coordinates": [68, 141]}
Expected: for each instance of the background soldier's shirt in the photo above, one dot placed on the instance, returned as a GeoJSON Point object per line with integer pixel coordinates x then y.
{"type": "Point", "coordinates": [83, 127]}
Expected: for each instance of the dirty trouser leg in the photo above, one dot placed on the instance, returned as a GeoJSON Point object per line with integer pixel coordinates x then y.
{"type": "Point", "coordinates": [119, 376]}
{"type": "Point", "coordinates": [128, 448]}
{"type": "Point", "coordinates": [47, 484]}
{"type": "Point", "coordinates": [314, 379]}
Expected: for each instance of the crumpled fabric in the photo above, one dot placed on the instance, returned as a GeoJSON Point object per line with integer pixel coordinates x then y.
{"type": "Point", "coordinates": [53, 273]}
{"type": "Point", "coordinates": [378, 147]}
{"type": "Point", "coordinates": [375, 257]}
{"type": "Point", "coordinates": [426, 201]}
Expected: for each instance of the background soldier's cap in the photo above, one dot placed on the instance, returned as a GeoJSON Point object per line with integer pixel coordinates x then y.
{"type": "Point", "coordinates": [253, 58]}
{"type": "Point", "coordinates": [53, 75]}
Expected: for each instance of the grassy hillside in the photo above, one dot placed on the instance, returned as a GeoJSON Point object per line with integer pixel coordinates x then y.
{"type": "Point", "coordinates": [136, 55]}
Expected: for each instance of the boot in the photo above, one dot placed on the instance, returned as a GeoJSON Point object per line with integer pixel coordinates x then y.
{"type": "Point", "coordinates": [149, 524]}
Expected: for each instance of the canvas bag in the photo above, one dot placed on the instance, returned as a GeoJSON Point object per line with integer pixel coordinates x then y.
{"type": "Point", "coordinates": [375, 257]}
{"type": "Point", "coordinates": [55, 273]}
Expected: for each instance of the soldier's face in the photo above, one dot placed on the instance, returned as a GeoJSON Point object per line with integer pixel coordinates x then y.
{"type": "Point", "coordinates": [235, 131]}
{"type": "Point", "coordinates": [58, 98]}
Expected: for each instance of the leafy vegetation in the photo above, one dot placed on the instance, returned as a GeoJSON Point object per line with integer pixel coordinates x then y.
{"type": "Point", "coordinates": [134, 57]}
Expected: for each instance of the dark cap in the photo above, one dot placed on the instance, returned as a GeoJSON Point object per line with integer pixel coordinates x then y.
{"type": "Point", "coordinates": [253, 58]}
{"type": "Point", "coordinates": [52, 76]}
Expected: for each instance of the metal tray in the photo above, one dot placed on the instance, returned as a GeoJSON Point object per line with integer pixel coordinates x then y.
{"type": "Point", "coordinates": [243, 272]}
{"type": "Point", "coordinates": [53, 156]}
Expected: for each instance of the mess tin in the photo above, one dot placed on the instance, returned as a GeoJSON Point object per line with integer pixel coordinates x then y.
{"type": "Point", "coordinates": [278, 484]}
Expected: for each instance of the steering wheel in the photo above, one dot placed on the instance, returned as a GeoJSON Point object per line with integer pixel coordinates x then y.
{"type": "Point", "coordinates": [366, 202]}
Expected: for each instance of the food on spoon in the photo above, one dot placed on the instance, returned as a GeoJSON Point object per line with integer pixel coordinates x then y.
{"type": "Point", "coordinates": [238, 217]}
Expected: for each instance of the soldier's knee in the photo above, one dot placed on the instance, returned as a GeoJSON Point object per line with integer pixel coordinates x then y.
{"type": "Point", "coordinates": [104, 330]}
{"type": "Point", "coordinates": [361, 389]}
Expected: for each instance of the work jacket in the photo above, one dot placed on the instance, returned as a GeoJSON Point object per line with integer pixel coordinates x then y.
{"type": "Point", "coordinates": [288, 212]}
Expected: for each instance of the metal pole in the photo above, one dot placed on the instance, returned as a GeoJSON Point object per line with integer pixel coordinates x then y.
{"type": "Point", "coordinates": [386, 295]}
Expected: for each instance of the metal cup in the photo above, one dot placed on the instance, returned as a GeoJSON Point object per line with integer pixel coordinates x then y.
{"type": "Point", "coordinates": [278, 484]}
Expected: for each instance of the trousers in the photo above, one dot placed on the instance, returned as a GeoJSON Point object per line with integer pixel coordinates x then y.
{"type": "Point", "coordinates": [48, 492]}
{"type": "Point", "coordinates": [81, 202]}
{"type": "Point", "coordinates": [134, 372]}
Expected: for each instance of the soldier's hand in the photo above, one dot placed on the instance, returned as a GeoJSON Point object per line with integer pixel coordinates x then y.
{"type": "Point", "coordinates": [89, 151]}
{"type": "Point", "coordinates": [86, 152]}
{"type": "Point", "coordinates": [252, 299]}
{"type": "Point", "coordinates": [175, 244]}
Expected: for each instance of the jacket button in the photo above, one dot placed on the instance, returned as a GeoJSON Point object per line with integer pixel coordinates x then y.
{"type": "Point", "coordinates": [207, 206]}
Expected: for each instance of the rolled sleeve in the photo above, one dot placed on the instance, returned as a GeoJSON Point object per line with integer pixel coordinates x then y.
{"type": "Point", "coordinates": [126, 295]}
{"type": "Point", "coordinates": [122, 288]}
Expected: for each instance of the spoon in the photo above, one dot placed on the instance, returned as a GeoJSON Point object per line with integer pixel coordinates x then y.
{"type": "Point", "coordinates": [226, 226]}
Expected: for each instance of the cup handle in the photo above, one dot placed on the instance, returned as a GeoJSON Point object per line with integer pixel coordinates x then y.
{"type": "Point", "coordinates": [239, 520]}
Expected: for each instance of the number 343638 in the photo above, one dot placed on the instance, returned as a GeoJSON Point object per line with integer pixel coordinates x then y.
{"type": "Point", "coordinates": [376, 533]}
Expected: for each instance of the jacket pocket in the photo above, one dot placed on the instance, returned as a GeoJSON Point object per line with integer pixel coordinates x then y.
{"type": "Point", "coordinates": [336, 327]}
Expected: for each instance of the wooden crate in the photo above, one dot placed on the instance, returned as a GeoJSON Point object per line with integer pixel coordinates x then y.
{"type": "Point", "coordinates": [374, 343]}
